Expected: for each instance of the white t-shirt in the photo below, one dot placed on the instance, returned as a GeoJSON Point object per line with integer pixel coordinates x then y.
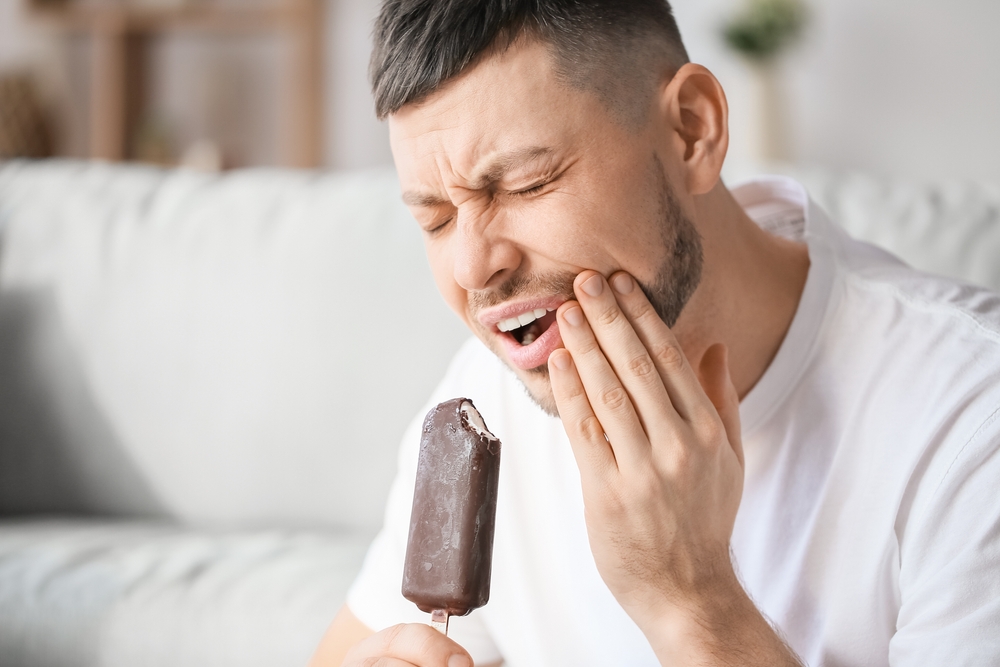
{"type": "Point", "coordinates": [869, 530]}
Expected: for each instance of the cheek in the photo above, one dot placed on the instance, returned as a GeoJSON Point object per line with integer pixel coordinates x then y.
{"type": "Point", "coordinates": [622, 229]}
{"type": "Point", "coordinates": [560, 230]}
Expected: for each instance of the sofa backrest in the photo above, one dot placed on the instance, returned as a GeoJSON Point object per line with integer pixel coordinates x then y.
{"type": "Point", "coordinates": [949, 228]}
{"type": "Point", "coordinates": [234, 350]}
{"type": "Point", "coordinates": [246, 349]}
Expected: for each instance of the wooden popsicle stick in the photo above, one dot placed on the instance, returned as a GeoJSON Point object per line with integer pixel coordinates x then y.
{"type": "Point", "coordinates": [439, 621]}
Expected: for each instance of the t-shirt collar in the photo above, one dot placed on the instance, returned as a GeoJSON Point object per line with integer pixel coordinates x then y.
{"type": "Point", "coordinates": [782, 206]}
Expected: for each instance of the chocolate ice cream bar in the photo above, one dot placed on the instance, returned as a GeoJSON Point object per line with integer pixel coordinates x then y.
{"type": "Point", "coordinates": [450, 548]}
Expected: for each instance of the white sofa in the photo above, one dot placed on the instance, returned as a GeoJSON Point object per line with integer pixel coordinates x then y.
{"type": "Point", "coordinates": [202, 384]}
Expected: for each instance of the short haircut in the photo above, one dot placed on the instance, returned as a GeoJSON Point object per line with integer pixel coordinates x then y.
{"type": "Point", "coordinates": [619, 49]}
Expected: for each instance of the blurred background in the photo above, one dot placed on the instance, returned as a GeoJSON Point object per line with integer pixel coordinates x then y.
{"type": "Point", "coordinates": [907, 88]}
{"type": "Point", "coordinates": [202, 388]}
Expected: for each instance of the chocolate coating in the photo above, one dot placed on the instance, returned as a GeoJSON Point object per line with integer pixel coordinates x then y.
{"type": "Point", "coordinates": [449, 553]}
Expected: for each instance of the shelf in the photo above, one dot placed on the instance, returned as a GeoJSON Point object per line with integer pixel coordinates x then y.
{"type": "Point", "coordinates": [200, 17]}
{"type": "Point", "coordinates": [119, 33]}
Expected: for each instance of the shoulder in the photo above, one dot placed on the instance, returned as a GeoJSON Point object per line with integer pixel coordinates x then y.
{"type": "Point", "coordinates": [932, 326]}
{"type": "Point", "coordinates": [886, 281]}
{"type": "Point", "coordinates": [907, 362]}
{"type": "Point", "coordinates": [937, 338]}
{"type": "Point", "coordinates": [927, 356]}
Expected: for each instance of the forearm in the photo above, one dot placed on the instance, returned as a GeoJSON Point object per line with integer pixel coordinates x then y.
{"type": "Point", "coordinates": [720, 627]}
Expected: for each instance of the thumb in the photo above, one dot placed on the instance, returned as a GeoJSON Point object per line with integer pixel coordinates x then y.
{"type": "Point", "coordinates": [713, 373]}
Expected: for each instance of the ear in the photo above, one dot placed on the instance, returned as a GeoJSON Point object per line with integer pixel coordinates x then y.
{"type": "Point", "coordinates": [697, 114]}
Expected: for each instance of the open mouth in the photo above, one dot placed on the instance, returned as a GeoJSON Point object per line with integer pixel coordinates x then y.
{"type": "Point", "coordinates": [528, 327]}
{"type": "Point", "coordinates": [527, 331]}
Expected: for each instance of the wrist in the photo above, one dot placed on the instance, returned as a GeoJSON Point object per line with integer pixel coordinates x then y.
{"type": "Point", "coordinates": [716, 624]}
{"type": "Point", "coordinates": [698, 587]}
{"type": "Point", "coordinates": [684, 618]}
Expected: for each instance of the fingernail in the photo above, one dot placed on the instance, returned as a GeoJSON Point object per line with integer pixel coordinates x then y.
{"type": "Point", "coordinates": [560, 359]}
{"type": "Point", "coordinates": [459, 660]}
{"type": "Point", "coordinates": [622, 283]}
{"type": "Point", "coordinates": [574, 316]}
{"type": "Point", "coordinates": [593, 286]}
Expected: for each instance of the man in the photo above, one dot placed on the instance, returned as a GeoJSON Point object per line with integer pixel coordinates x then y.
{"type": "Point", "coordinates": [759, 442]}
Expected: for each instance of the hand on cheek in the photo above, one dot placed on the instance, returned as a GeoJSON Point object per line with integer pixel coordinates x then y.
{"type": "Point", "coordinates": [660, 455]}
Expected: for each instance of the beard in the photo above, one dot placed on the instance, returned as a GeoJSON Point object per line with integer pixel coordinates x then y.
{"type": "Point", "coordinates": [675, 281]}
{"type": "Point", "coordinates": [680, 273]}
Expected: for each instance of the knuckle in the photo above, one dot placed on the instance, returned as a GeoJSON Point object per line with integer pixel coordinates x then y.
{"type": "Point", "coordinates": [669, 356]}
{"type": "Point", "coordinates": [646, 313]}
{"type": "Point", "coordinates": [681, 465]}
{"type": "Point", "coordinates": [609, 316]}
{"type": "Point", "coordinates": [427, 643]}
{"type": "Point", "coordinates": [574, 392]}
{"type": "Point", "coordinates": [714, 434]}
{"type": "Point", "coordinates": [678, 463]}
{"type": "Point", "coordinates": [587, 347]}
{"type": "Point", "coordinates": [641, 367]}
{"type": "Point", "coordinates": [614, 399]}
{"type": "Point", "coordinates": [390, 636]}
{"type": "Point", "coordinates": [591, 429]}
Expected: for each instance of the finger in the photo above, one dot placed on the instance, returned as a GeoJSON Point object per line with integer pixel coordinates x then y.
{"type": "Point", "coordinates": [718, 385]}
{"type": "Point", "coordinates": [605, 393]}
{"type": "Point", "coordinates": [407, 644]}
{"type": "Point", "coordinates": [625, 352]}
{"type": "Point", "coordinates": [381, 661]}
{"type": "Point", "coordinates": [586, 435]}
{"type": "Point", "coordinates": [682, 385]}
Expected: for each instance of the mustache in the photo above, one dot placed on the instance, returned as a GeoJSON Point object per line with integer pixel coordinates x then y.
{"type": "Point", "coordinates": [523, 285]}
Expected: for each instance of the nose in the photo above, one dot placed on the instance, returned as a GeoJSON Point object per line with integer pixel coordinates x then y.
{"type": "Point", "coordinates": [483, 256]}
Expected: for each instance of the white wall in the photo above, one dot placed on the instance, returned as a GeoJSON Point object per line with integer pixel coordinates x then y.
{"type": "Point", "coordinates": [909, 86]}
{"type": "Point", "coordinates": [906, 87]}
{"type": "Point", "coordinates": [903, 87]}
{"type": "Point", "coordinates": [354, 138]}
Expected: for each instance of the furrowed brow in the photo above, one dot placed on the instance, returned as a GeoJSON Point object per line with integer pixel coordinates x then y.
{"type": "Point", "coordinates": [501, 164]}
{"type": "Point", "coordinates": [423, 199]}
{"type": "Point", "coordinates": [495, 169]}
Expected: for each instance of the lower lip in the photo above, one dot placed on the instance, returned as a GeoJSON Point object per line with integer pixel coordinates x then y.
{"type": "Point", "coordinates": [527, 357]}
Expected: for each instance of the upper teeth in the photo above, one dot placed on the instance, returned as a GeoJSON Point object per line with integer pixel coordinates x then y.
{"type": "Point", "coordinates": [523, 319]}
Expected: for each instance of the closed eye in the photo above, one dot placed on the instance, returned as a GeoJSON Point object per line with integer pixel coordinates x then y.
{"type": "Point", "coordinates": [535, 189]}
{"type": "Point", "coordinates": [437, 230]}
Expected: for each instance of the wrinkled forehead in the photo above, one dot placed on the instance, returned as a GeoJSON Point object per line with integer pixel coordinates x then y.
{"type": "Point", "coordinates": [507, 103]}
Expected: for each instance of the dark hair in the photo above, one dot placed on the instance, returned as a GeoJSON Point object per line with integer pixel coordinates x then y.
{"type": "Point", "coordinates": [613, 47]}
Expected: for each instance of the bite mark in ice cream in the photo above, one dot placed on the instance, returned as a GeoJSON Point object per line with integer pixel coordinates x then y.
{"type": "Point", "coordinates": [450, 547]}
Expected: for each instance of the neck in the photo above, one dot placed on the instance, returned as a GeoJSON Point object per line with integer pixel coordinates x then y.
{"type": "Point", "coordinates": [751, 285]}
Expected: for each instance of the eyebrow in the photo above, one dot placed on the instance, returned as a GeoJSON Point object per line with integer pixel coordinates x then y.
{"type": "Point", "coordinates": [422, 199]}
{"type": "Point", "coordinates": [497, 167]}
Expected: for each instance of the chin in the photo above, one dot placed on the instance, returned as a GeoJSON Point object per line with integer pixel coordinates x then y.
{"type": "Point", "coordinates": [535, 380]}
{"type": "Point", "coordinates": [539, 388]}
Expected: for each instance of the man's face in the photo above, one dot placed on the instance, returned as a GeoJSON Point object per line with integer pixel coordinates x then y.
{"type": "Point", "coordinates": [520, 183]}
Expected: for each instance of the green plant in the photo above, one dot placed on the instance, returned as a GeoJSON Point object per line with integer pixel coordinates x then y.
{"type": "Point", "coordinates": [765, 27]}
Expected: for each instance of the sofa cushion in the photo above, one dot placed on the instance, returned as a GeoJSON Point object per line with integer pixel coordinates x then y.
{"type": "Point", "coordinates": [233, 350]}
{"type": "Point", "coordinates": [948, 228]}
{"type": "Point", "coordinates": [101, 594]}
